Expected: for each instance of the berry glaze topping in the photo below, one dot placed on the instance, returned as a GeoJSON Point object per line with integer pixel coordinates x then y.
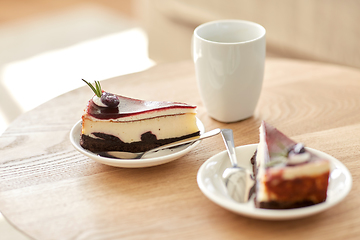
{"type": "Point", "coordinates": [284, 151]}
{"type": "Point", "coordinates": [130, 107]}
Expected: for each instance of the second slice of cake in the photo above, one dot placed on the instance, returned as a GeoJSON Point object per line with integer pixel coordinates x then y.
{"type": "Point", "coordinates": [287, 174]}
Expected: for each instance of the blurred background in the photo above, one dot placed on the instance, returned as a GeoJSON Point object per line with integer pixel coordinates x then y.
{"type": "Point", "coordinates": [47, 46]}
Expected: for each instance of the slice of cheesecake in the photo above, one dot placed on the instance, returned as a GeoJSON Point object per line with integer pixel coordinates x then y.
{"type": "Point", "coordinates": [118, 123]}
{"type": "Point", "coordinates": [287, 174]}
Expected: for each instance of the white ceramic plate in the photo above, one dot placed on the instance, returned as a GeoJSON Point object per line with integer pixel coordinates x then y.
{"type": "Point", "coordinates": [211, 184]}
{"type": "Point", "coordinates": [152, 159]}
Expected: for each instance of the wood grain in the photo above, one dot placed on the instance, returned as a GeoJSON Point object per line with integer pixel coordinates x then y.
{"type": "Point", "coordinates": [50, 191]}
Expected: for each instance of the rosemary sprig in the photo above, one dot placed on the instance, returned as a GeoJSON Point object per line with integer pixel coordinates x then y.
{"type": "Point", "coordinates": [275, 162]}
{"type": "Point", "coordinates": [96, 89]}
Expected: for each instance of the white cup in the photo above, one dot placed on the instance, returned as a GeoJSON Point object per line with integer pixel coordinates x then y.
{"type": "Point", "coordinates": [229, 57]}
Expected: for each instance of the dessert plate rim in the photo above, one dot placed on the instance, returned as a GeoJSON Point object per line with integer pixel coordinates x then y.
{"type": "Point", "coordinates": [161, 157]}
{"type": "Point", "coordinates": [210, 183]}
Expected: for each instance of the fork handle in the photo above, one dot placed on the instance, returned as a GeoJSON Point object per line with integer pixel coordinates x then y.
{"type": "Point", "coordinates": [228, 137]}
{"type": "Point", "coordinates": [188, 140]}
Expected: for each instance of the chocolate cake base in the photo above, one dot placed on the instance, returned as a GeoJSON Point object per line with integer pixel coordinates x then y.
{"type": "Point", "coordinates": [283, 205]}
{"type": "Point", "coordinates": [105, 142]}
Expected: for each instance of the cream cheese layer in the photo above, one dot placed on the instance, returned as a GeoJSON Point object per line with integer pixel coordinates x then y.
{"type": "Point", "coordinates": [261, 156]}
{"type": "Point", "coordinates": [163, 127]}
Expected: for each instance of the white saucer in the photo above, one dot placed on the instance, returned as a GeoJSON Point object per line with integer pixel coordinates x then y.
{"type": "Point", "coordinates": [211, 184]}
{"type": "Point", "coordinates": [153, 159]}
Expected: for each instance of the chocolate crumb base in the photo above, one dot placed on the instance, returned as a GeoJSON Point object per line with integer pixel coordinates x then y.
{"type": "Point", "coordinates": [284, 205]}
{"type": "Point", "coordinates": [105, 142]}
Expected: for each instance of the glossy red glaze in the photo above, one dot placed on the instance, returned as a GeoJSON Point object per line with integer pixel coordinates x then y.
{"type": "Point", "coordinates": [131, 107]}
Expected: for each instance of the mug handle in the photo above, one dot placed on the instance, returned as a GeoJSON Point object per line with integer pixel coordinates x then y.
{"type": "Point", "coordinates": [192, 47]}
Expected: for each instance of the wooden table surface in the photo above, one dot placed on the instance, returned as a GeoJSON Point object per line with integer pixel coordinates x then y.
{"type": "Point", "coordinates": [48, 190]}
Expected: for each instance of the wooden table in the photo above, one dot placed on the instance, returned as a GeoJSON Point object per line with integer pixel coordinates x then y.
{"type": "Point", "coordinates": [50, 191]}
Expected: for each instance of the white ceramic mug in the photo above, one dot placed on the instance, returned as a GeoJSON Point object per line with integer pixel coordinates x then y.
{"type": "Point", "coordinates": [229, 57]}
